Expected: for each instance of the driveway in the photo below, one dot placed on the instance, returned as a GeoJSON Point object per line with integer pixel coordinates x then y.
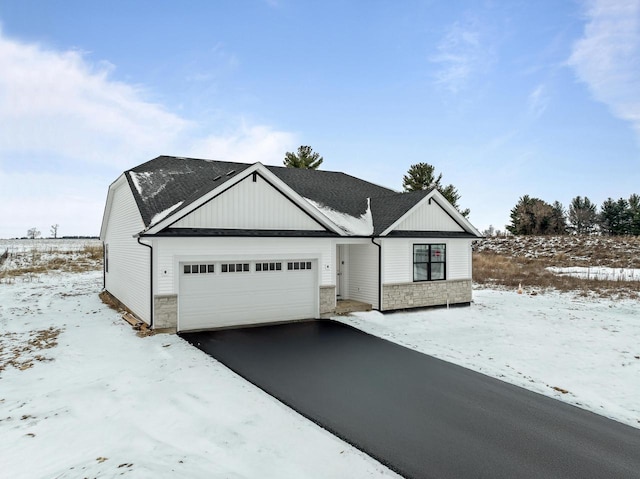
{"type": "Point", "coordinates": [420, 416]}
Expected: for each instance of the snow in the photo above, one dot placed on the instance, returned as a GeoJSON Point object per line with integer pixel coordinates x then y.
{"type": "Point", "coordinates": [599, 272]}
{"type": "Point", "coordinates": [584, 346]}
{"type": "Point", "coordinates": [361, 226]}
{"type": "Point", "coordinates": [140, 178]}
{"type": "Point", "coordinates": [158, 217]}
{"type": "Point", "coordinates": [104, 402]}
{"type": "Point", "coordinates": [82, 396]}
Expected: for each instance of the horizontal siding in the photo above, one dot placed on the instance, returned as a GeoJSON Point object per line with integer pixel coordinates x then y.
{"type": "Point", "coordinates": [363, 273]}
{"type": "Point", "coordinates": [429, 217]}
{"type": "Point", "coordinates": [250, 205]}
{"type": "Point", "coordinates": [459, 259]}
{"type": "Point", "coordinates": [398, 258]}
{"type": "Point", "coordinates": [170, 252]}
{"type": "Point", "coordinates": [129, 266]}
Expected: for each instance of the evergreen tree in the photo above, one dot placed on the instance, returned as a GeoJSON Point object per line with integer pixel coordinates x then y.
{"type": "Point", "coordinates": [421, 176]}
{"type": "Point", "coordinates": [634, 215]}
{"type": "Point", "coordinates": [583, 217]}
{"type": "Point", "coordinates": [615, 217]}
{"type": "Point", "coordinates": [304, 158]}
{"type": "Point", "coordinates": [533, 216]}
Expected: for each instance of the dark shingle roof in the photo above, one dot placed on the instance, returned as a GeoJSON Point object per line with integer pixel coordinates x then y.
{"type": "Point", "coordinates": [166, 181]}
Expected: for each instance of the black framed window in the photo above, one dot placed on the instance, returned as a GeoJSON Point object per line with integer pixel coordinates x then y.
{"type": "Point", "coordinates": [297, 265]}
{"type": "Point", "coordinates": [235, 267]}
{"type": "Point", "coordinates": [272, 266]}
{"type": "Point", "coordinates": [429, 262]}
{"type": "Point", "coordinates": [198, 268]}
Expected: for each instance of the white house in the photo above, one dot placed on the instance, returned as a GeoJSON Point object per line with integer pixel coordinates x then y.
{"type": "Point", "coordinates": [195, 244]}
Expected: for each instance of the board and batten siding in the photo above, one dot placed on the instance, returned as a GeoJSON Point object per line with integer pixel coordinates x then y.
{"type": "Point", "coordinates": [250, 204]}
{"type": "Point", "coordinates": [428, 217]}
{"type": "Point", "coordinates": [363, 273]}
{"type": "Point", "coordinates": [170, 252]}
{"type": "Point", "coordinates": [397, 257]}
{"type": "Point", "coordinates": [128, 278]}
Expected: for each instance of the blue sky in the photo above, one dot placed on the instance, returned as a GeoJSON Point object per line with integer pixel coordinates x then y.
{"type": "Point", "coordinates": [504, 98]}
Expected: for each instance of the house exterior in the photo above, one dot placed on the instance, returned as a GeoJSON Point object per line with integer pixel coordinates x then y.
{"type": "Point", "coordinates": [196, 244]}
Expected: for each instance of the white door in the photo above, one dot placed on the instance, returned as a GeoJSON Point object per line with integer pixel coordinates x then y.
{"type": "Point", "coordinates": [223, 294]}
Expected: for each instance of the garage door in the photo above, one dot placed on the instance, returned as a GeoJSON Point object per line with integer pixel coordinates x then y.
{"type": "Point", "coordinates": [221, 294]}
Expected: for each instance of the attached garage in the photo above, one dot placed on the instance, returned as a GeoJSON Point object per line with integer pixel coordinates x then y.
{"type": "Point", "coordinates": [234, 293]}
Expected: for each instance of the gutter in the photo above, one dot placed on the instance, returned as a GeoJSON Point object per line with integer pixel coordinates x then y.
{"type": "Point", "coordinates": [379, 273]}
{"type": "Point", "coordinates": [150, 280]}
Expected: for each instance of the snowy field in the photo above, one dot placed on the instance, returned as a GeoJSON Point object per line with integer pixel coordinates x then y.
{"type": "Point", "coordinates": [103, 402]}
{"type": "Point", "coordinates": [82, 396]}
{"type": "Point", "coordinates": [599, 272]}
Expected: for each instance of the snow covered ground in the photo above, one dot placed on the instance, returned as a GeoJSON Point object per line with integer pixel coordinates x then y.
{"type": "Point", "coordinates": [599, 272]}
{"type": "Point", "coordinates": [103, 402]}
{"type": "Point", "coordinates": [583, 351]}
{"type": "Point", "coordinates": [82, 396]}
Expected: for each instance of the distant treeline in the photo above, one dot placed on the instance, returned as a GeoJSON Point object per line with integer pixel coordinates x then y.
{"type": "Point", "coordinates": [61, 237]}
{"type": "Point", "coordinates": [533, 216]}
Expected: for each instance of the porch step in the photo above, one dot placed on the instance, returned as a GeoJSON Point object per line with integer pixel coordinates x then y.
{"type": "Point", "coordinates": [344, 306]}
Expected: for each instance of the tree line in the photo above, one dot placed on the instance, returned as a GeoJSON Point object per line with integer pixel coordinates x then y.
{"type": "Point", "coordinates": [533, 216]}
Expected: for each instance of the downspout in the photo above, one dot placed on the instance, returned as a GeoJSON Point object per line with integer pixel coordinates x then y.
{"type": "Point", "coordinates": [379, 273]}
{"type": "Point", "coordinates": [150, 281]}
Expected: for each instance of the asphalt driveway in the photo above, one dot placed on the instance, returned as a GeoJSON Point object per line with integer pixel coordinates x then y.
{"type": "Point", "coordinates": [420, 416]}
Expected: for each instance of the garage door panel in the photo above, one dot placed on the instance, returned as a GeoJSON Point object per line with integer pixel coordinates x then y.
{"type": "Point", "coordinates": [241, 298]}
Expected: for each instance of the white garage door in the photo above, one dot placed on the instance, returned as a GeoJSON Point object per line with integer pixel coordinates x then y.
{"type": "Point", "coordinates": [220, 294]}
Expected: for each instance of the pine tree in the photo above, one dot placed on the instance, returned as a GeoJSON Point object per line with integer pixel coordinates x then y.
{"type": "Point", "coordinates": [533, 216]}
{"type": "Point", "coordinates": [421, 176]}
{"type": "Point", "coordinates": [583, 217]}
{"type": "Point", "coordinates": [305, 158]}
{"type": "Point", "coordinates": [615, 217]}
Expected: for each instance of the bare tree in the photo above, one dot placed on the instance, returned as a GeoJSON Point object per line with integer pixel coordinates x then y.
{"type": "Point", "coordinates": [33, 233]}
{"type": "Point", "coordinates": [54, 230]}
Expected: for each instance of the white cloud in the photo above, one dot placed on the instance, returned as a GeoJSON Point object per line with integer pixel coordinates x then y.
{"type": "Point", "coordinates": [246, 144]}
{"type": "Point", "coordinates": [538, 101]}
{"type": "Point", "coordinates": [460, 55]}
{"type": "Point", "coordinates": [61, 106]}
{"type": "Point", "coordinates": [57, 103]}
{"type": "Point", "coordinates": [607, 57]}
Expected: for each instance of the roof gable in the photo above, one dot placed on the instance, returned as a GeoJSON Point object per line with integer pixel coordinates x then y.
{"type": "Point", "coordinates": [253, 203]}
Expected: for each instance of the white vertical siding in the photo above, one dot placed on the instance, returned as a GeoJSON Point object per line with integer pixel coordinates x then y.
{"type": "Point", "coordinates": [428, 217]}
{"type": "Point", "coordinates": [250, 205]}
{"type": "Point", "coordinates": [363, 273]}
{"type": "Point", "coordinates": [398, 258]}
{"type": "Point", "coordinates": [169, 252]}
{"type": "Point", "coordinates": [128, 278]}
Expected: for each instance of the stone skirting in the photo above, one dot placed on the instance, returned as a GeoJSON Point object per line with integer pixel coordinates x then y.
{"type": "Point", "coordinates": [425, 293]}
{"type": "Point", "coordinates": [165, 308]}
{"type": "Point", "coordinates": [327, 299]}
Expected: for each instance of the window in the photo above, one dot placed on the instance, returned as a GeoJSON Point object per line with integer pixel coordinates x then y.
{"type": "Point", "coordinates": [429, 262]}
{"type": "Point", "coordinates": [235, 267]}
{"type": "Point", "coordinates": [297, 265]}
{"type": "Point", "coordinates": [268, 266]}
{"type": "Point", "coordinates": [198, 268]}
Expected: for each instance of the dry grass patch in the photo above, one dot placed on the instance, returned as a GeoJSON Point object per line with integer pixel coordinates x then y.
{"type": "Point", "coordinates": [22, 350]}
{"type": "Point", "coordinates": [512, 261]}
